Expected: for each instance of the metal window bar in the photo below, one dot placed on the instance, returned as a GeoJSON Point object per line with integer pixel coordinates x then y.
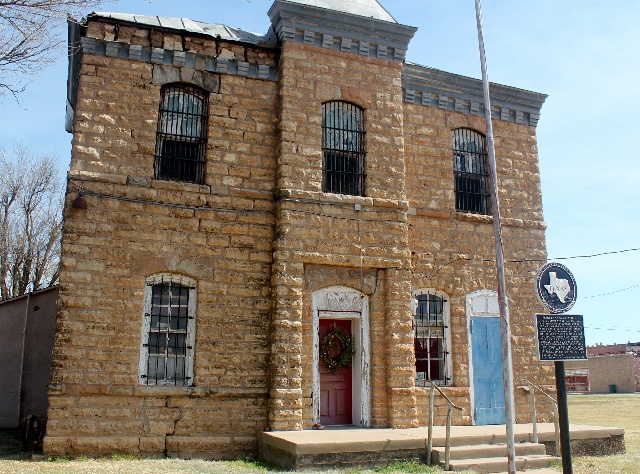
{"type": "Point", "coordinates": [471, 172]}
{"type": "Point", "coordinates": [181, 135]}
{"type": "Point", "coordinates": [342, 149]}
{"type": "Point", "coordinates": [429, 340]}
{"type": "Point", "coordinates": [168, 334]}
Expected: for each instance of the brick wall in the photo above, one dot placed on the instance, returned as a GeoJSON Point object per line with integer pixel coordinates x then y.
{"type": "Point", "coordinates": [606, 349]}
{"type": "Point", "coordinates": [619, 370]}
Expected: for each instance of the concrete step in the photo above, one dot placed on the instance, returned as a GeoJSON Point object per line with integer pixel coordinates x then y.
{"type": "Point", "coordinates": [487, 451]}
{"type": "Point", "coordinates": [485, 438]}
{"type": "Point", "coordinates": [534, 471]}
{"type": "Point", "coordinates": [499, 464]}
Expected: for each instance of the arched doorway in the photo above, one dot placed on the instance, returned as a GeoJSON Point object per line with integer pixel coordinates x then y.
{"type": "Point", "coordinates": [343, 396]}
{"type": "Point", "coordinates": [485, 358]}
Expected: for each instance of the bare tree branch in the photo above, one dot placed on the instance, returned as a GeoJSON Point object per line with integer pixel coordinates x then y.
{"type": "Point", "coordinates": [31, 36]}
{"type": "Point", "coordinates": [31, 199]}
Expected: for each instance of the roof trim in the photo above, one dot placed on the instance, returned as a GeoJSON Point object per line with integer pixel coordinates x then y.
{"type": "Point", "coordinates": [364, 8]}
{"type": "Point", "coordinates": [32, 293]}
{"type": "Point", "coordinates": [212, 30]}
{"type": "Point", "coordinates": [309, 24]}
{"type": "Point", "coordinates": [425, 84]}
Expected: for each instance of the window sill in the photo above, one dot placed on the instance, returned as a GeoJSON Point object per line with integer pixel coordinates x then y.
{"type": "Point", "coordinates": [477, 218]}
{"type": "Point", "coordinates": [344, 199]}
{"type": "Point", "coordinates": [180, 186]}
{"type": "Point", "coordinates": [166, 391]}
{"type": "Point", "coordinates": [199, 392]}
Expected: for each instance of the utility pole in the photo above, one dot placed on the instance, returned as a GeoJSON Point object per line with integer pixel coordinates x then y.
{"type": "Point", "coordinates": [505, 326]}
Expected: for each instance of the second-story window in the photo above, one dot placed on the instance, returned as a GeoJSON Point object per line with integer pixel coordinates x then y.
{"type": "Point", "coordinates": [342, 149]}
{"type": "Point", "coordinates": [181, 136]}
{"type": "Point", "coordinates": [471, 173]}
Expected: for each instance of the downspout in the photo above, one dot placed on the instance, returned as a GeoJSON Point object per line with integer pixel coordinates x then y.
{"type": "Point", "coordinates": [24, 348]}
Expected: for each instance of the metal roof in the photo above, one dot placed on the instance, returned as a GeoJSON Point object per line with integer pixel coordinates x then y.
{"type": "Point", "coordinates": [365, 8]}
{"type": "Point", "coordinates": [215, 30]}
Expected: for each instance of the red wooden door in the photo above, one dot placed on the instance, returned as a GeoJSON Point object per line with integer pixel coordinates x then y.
{"type": "Point", "coordinates": [335, 387]}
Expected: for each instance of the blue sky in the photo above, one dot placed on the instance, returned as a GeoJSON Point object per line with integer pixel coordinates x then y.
{"type": "Point", "coordinates": [582, 53]}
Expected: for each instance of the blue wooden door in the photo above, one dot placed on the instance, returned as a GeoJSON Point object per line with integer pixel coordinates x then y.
{"type": "Point", "coordinates": [488, 386]}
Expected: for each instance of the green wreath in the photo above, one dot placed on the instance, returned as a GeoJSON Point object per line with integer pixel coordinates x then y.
{"type": "Point", "coordinates": [344, 358]}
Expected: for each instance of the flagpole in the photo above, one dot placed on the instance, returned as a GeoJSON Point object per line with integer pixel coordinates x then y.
{"type": "Point", "coordinates": [505, 326]}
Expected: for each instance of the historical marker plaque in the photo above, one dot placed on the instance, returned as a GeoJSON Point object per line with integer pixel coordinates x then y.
{"type": "Point", "coordinates": [560, 337]}
{"type": "Point", "coordinates": [556, 287]}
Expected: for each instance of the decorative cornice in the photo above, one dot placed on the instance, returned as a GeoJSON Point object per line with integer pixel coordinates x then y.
{"type": "Point", "coordinates": [178, 58]}
{"type": "Point", "coordinates": [444, 90]}
{"type": "Point", "coordinates": [340, 31]}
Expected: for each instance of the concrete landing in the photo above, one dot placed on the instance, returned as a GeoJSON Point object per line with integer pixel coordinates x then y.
{"type": "Point", "coordinates": [352, 446]}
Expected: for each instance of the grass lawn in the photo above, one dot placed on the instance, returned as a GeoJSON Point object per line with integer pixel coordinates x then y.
{"type": "Point", "coordinates": [622, 411]}
{"type": "Point", "coordinates": [608, 410]}
{"type": "Point", "coordinates": [124, 465]}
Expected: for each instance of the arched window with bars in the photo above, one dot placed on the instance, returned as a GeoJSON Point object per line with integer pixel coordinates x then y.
{"type": "Point", "coordinates": [168, 331]}
{"type": "Point", "coordinates": [471, 172]}
{"type": "Point", "coordinates": [432, 338]}
{"type": "Point", "coordinates": [181, 136]}
{"type": "Point", "coordinates": [342, 148]}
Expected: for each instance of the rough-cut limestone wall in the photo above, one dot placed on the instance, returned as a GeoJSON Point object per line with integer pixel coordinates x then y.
{"type": "Point", "coordinates": [450, 250]}
{"type": "Point", "coordinates": [371, 282]}
{"type": "Point", "coordinates": [257, 266]}
{"type": "Point", "coordinates": [96, 404]}
{"type": "Point", "coordinates": [310, 232]}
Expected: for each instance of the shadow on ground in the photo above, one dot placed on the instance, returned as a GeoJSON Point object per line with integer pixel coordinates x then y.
{"type": "Point", "coordinates": [11, 445]}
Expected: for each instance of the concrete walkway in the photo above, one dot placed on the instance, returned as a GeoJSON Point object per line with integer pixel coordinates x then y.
{"type": "Point", "coordinates": [351, 439]}
{"type": "Point", "coordinates": [348, 445]}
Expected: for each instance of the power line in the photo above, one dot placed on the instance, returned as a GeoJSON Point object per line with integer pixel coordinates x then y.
{"type": "Point", "coordinates": [574, 256]}
{"type": "Point", "coordinates": [613, 292]}
{"type": "Point", "coordinates": [86, 191]}
{"type": "Point", "coordinates": [619, 328]}
{"type": "Point", "coordinates": [598, 254]}
{"type": "Point", "coordinates": [610, 328]}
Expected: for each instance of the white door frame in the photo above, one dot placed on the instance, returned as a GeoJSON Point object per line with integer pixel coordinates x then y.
{"type": "Point", "coordinates": [480, 304]}
{"type": "Point", "coordinates": [342, 302]}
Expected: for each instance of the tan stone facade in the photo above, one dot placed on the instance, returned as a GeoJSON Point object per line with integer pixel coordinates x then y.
{"type": "Point", "coordinates": [262, 242]}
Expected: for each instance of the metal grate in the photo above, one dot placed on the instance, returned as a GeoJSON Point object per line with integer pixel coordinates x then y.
{"type": "Point", "coordinates": [181, 136]}
{"type": "Point", "coordinates": [342, 149]}
{"type": "Point", "coordinates": [429, 340]}
{"type": "Point", "coordinates": [168, 334]}
{"type": "Point", "coordinates": [470, 169]}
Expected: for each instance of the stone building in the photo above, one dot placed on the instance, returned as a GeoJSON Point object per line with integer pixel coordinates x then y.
{"type": "Point", "coordinates": [609, 368]}
{"type": "Point", "coordinates": [27, 325]}
{"type": "Point", "coordinates": [243, 207]}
